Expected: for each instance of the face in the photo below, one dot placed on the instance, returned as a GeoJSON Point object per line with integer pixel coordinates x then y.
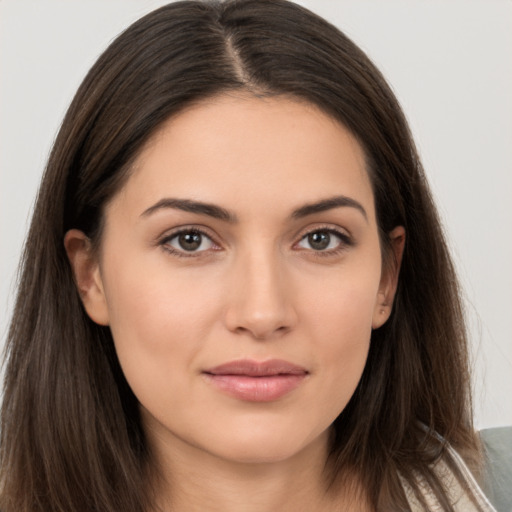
{"type": "Point", "coordinates": [240, 273]}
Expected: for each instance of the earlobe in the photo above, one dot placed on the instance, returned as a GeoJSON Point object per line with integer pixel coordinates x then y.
{"type": "Point", "coordinates": [87, 275]}
{"type": "Point", "coordinates": [389, 279]}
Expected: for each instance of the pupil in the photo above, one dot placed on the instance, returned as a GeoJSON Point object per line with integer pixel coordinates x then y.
{"type": "Point", "coordinates": [319, 240]}
{"type": "Point", "coordinates": [189, 241]}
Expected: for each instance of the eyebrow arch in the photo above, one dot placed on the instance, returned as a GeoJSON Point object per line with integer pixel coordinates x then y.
{"type": "Point", "coordinates": [329, 204]}
{"type": "Point", "coordinates": [188, 205]}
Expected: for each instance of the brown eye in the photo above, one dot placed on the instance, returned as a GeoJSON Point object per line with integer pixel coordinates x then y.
{"type": "Point", "coordinates": [189, 242]}
{"type": "Point", "coordinates": [319, 240]}
{"type": "Point", "coordinates": [324, 240]}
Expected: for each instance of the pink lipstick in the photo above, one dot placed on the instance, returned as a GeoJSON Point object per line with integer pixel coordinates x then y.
{"type": "Point", "coordinates": [254, 381]}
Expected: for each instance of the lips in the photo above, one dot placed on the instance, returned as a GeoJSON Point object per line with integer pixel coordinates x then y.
{"type": "Point", "coordinates": [256, 381]}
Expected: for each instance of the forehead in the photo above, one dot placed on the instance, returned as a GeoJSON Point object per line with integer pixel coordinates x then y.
{"type": "Point", "coordinates": [252, 152]}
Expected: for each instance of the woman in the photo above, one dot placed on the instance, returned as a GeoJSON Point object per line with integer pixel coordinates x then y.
{"type": "Point", "coordinates": [236, 294]}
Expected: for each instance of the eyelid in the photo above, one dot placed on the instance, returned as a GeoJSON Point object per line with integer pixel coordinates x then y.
{"type": "Point", "coordinates": [323, 226]}
{"type": "Point", "coordinates": [346, 239]}
{"type": "Point", "coordinates": [163, 240]}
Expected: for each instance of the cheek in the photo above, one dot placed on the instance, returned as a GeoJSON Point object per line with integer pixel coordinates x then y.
{"type": "Point", "coordinates": [159, 320]}
{"type": "Point", "coordinates": [153, 303]}
{"type": "Point", "coordinates": [343, 334]}
{"type": "Point", "coordinates": [342, 305]}
{"type": "Point", "coordinates": [340, 322]}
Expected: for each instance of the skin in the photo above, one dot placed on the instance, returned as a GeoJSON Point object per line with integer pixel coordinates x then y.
{"type": "Point", "coordinates": [256, 288]}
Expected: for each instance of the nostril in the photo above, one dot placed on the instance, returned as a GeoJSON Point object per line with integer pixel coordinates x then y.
{"type": "Point", "coordinates": [262, 332]}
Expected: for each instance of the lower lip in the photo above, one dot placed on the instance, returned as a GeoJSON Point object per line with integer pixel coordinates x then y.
{"type": "Point", "coordinates": [256, 389]}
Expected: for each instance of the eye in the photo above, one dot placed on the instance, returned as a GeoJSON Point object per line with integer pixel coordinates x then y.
{"type": "Point", "coordinates": [188, 241]}
{"type": "Point", "coordinates": [323, 240]}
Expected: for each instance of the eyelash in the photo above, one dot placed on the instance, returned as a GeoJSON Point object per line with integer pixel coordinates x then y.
{"type": "Point", "coordinates": [165, 241]}
{"type": "Point", "coordinates": [345, 241]}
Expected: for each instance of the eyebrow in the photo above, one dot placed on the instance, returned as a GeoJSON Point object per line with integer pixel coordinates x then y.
{"type": "Point", "coordinates": [329, 204]}
{"type": "Point", "coordinates": [187, 205]}
{"type": "Point", "coordinates": [217, 212]}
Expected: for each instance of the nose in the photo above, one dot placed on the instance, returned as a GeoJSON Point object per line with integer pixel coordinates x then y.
{"type": "Point", "coordinates": [261, 298]}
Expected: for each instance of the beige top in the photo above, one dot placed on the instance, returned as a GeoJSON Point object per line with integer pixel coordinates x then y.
{"type": "Point", "coordinates": [459, 498]}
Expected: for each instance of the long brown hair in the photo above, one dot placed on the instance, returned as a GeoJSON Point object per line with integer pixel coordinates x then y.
{"type": "Point", "coordinates": [71, 438]}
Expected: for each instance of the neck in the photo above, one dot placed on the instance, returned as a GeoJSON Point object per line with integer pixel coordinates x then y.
{"type": "Point", "coordinates": [191, 480]}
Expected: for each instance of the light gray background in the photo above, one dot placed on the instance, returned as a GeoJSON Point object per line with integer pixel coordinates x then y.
{"type": "Point", "coordinates": [450, 64]}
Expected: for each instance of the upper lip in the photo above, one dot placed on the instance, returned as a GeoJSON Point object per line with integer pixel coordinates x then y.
{"type": "Point", "coordinates": [251, 368]}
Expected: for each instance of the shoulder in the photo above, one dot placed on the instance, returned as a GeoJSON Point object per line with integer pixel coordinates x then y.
{"type": "Point", "coordinates": [462, 490]}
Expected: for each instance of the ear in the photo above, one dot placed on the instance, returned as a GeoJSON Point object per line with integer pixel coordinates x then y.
{"type": "Point", "coordinates": [389, 279]}
{"type": "Point", "coordinates": [87, 275]}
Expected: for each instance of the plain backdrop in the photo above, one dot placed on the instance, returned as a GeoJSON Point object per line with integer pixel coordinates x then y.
{"type": "Point", "coordinates": [450, 64]}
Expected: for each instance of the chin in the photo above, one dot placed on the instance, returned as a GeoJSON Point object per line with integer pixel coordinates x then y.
{"type": "Point", "coordinates": [268, 446]}
{"type": "Point", "coordinates": [258, 454]}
